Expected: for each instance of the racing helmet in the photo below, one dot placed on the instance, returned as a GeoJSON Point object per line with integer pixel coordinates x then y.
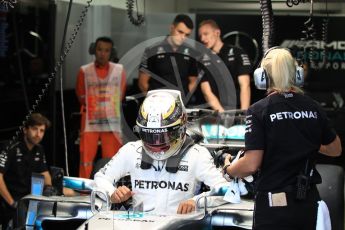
{"type": "Point", "coordinates": [161, 123]}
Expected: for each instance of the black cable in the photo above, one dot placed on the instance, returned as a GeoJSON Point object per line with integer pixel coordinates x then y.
{"type": "Point", "coordinates": [61, 87]}
{"type": "Point", "coordinates": [309, 34]}
{"type": "Point", "coordinates": [267, 24]}
{"type": "Point", "coordinates": [324, 36]}
{"type": "Point", "coordinates": [130, 11]}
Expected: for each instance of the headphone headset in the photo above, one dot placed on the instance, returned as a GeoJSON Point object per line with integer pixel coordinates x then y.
{"type": "Point", "coordinates": [113, 53]}
{"type": "Point", "coordinates": [261, 78]}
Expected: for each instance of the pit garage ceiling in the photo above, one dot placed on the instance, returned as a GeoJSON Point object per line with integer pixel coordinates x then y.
{"type": "Point", "coordinates": [319, 6]}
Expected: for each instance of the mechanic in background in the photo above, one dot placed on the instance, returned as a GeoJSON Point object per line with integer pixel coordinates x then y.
{"type": "Point", "coordinates": [157, 69]}
{"type": "Point", "coordinates": [165, 166]}
{"type": "Point", "coordinates": [284, 133]}
{"type": "Point", "coordinates": [100, 89]}
{"type": "Point", "coordinates": [24, 157]}
{"type": "Point", "coordinates": [234, 58]}
{"type": "Point", "coordinates": [19, 162]}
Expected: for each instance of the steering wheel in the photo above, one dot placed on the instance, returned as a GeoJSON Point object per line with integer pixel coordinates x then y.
{"type": "Point", "coordinates": [245, 42]}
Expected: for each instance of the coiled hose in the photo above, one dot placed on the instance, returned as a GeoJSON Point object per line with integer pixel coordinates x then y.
{"type": "Point", "coordinates": [267, 24]}
{"type": "Point", "coordinates": [130, 11]}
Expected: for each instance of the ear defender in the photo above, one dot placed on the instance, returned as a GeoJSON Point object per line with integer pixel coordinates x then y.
{"type": "Point", "coordinates": [299, 80]}
{"type": "Point", "coordinates": [261, 78]}
{"type": "Point", "coordinates": [92, 51]}
{"type": "Point", "coordinates": [92, 48]}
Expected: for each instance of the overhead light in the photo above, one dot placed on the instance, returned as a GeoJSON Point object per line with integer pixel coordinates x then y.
{"type": "Point", "coordinates": [33, 33]}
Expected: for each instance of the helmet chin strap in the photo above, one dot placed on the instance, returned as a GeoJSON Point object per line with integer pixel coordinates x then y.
{"type": "Point", "coordinates": [172, 162]}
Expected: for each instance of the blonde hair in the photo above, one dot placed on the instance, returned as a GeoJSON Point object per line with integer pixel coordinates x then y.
{"type": "Point", "coordinates": [210, 22]}
{"type": "Point", "coordinates": [280, 67]}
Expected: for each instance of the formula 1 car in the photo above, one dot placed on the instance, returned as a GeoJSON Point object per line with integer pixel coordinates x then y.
{"type": "Point", "coordinates": [93, 212]}
{"type": "Point", "coordinates": [229, 216]}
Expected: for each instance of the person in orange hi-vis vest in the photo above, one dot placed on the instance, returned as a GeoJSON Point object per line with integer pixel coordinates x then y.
{"type": "Point", "coordinates": [100, 89]}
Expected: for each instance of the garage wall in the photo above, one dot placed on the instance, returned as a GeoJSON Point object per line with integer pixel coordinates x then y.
{"type": "Point", "coordinates": [109, 20]}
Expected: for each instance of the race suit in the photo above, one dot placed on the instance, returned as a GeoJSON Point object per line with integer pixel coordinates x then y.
{"type": "Point", "coordinates": [159, 190]}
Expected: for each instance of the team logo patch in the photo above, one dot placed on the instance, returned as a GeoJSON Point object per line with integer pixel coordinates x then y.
{"type": "Point", "coordinates": [205, 58]}
{"type": "Point", "coordinates": [183, 168]}
{"type": "Point", "coordinates": [231, 52]}
{"type": "Point", "coordinates": [160, 50]}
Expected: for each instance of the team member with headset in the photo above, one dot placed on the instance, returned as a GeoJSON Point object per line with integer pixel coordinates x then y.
{"type": "Point", "coordinates": [165, 165]}
{"type": "Point", "coordinates": [284, 132]}
{"type": "Point", "coordinates": [100, 89]}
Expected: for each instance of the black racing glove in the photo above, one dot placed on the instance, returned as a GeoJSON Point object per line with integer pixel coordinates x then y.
{"type": "Point", "coordinates": [50, 191]}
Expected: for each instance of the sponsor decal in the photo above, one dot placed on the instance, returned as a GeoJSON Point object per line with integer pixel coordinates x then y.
{"type": "Point", "coordinates": [248, 124]}
{"type": "Point", "coordinates": [163, 130]}
{"type": "Point", "coordinates": [332, 59]}
{"type": "Point", "coordinates": [183, 168]}
{"type": "Point", "coordinates": [3, 159]}
{"type": "Point", "coordinates": [206, 58]}
{"type": "Point", "coordinates": [335, 45]}
{"type": "Point", "coordinates": [3, 155]}
{"type": "Point", "coordinates": [135, 217]}
{"type": "Point", "coordinates": [186, 51]}
{"type": "Point", "coordinates": [293, 115]}
{"type": "Point", "coordinates": [137, 165]}
{"type": "Point", "coordinates": [134, 220]}
{"type": "Point", "coordinates": [288, 95]}
{"type": "Point", "coordinates": [160, 50]}
{"type": "Point", "coordinates": [127, 215]}
{"type": "Point", "coordinates": [172, 185]}
{"type": "Point", "coordinates": [245, 59]}
{"type": "Point", "coordinates": [107, 165]}
{"type": "Point", "coordinates": [231, 52]}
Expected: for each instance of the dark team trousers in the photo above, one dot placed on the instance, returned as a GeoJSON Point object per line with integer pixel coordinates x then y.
{"type": "Point", "coordinates": [6, 213]}
{"type": "Point", "coordinates": [297, 215]}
